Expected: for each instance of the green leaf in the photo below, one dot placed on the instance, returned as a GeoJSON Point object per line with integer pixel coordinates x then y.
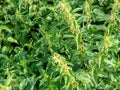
{"type": "Point", "coordinates": [68, 36]}
{"type": "Point", "coordinates": [78, 38]}
{"type": "Point", "coordinates": [23, 84]}
{"type": "Point", "coordinates": [98, 11]}
{"type": "Point", "coordinates": [12, 40]}
{"type": "Point", "coordinates": [33, 83]}
{"type": "Point", "coordinates": [4, 27]}
{"type": "Point", "coordinates": [83, 77]}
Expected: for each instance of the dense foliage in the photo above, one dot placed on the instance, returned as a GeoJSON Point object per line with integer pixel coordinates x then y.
{"type": "Point", "coordinates": [59, 44]}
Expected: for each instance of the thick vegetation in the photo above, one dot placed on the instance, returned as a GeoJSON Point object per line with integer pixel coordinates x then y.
{"type": "Point", "coordinates": [59, 44]}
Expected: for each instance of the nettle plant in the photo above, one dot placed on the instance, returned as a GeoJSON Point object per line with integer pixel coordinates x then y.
{"type": "Point", "coordinates": [60, 45]}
